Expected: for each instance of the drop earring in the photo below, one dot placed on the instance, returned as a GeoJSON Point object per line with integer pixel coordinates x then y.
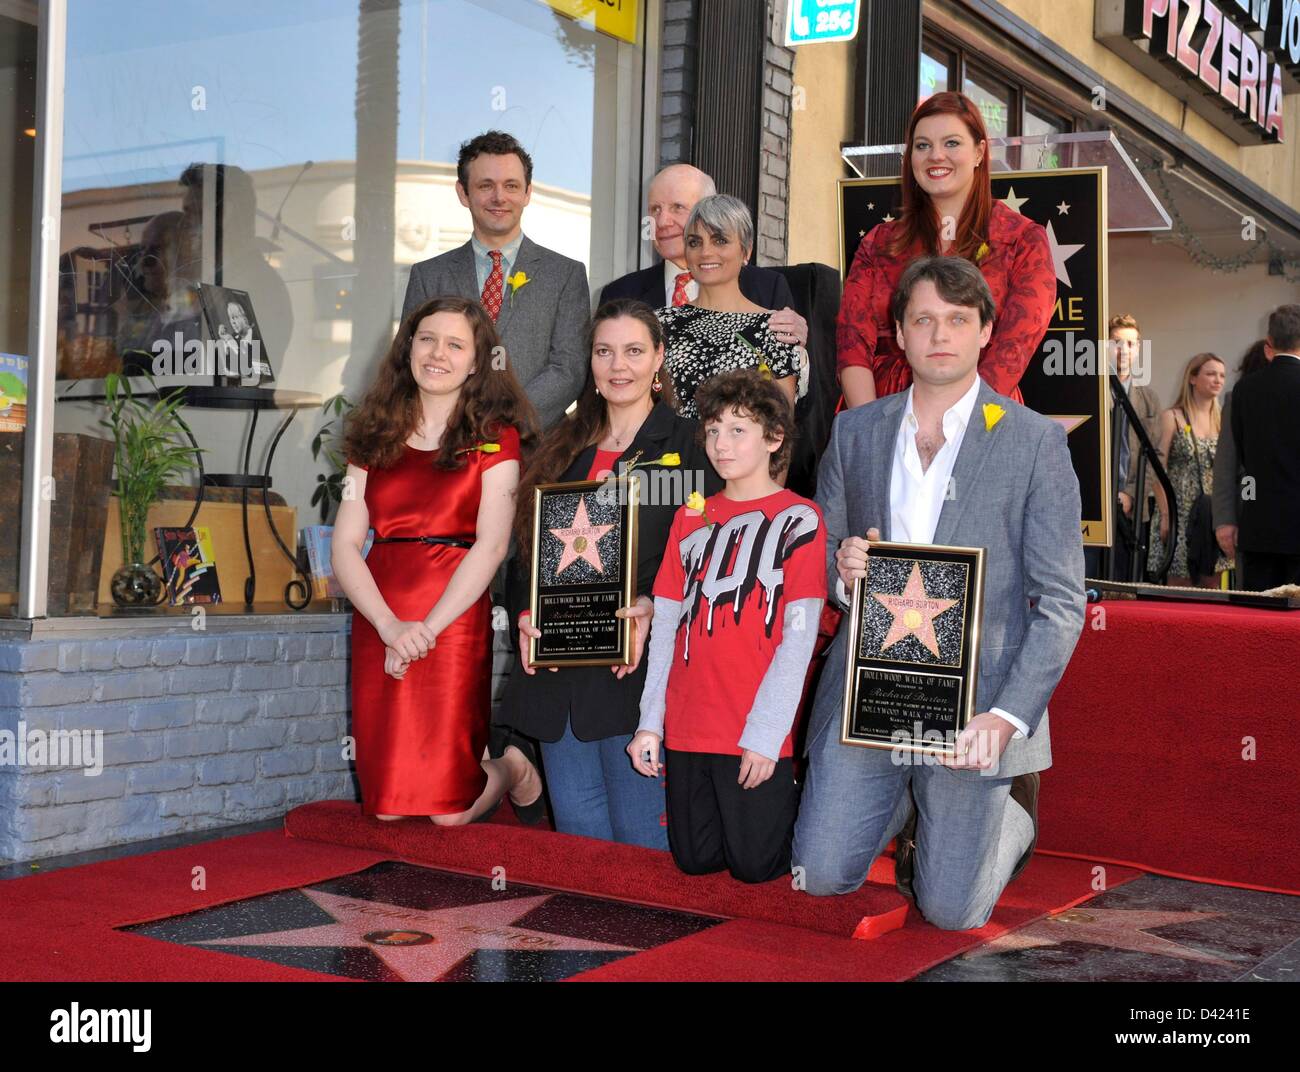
{"type": "Point", "coordinates": [657, 385]}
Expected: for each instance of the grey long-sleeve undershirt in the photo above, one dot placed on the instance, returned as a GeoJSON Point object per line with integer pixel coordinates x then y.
{"type": "Point", "coordinates": [777, 699]}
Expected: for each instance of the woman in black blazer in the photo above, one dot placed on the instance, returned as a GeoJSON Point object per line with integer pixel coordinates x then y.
{"type": "Point", "coordinates": [585, 716]}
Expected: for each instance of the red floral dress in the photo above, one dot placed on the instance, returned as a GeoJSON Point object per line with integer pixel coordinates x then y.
{"type": "Point", "coordinates": [1019, 271]}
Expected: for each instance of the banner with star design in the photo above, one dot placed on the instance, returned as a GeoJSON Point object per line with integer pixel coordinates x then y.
{"type": "Point", "coordinates": [1066, 379]}
{"type": "Point", "coordinates": [583, 570]}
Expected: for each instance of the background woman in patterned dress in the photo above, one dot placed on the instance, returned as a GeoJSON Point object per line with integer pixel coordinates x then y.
{"type": "Point", "coordinates": [1195, 414]}
{"type": "Point", "coordinates": [722, 329]}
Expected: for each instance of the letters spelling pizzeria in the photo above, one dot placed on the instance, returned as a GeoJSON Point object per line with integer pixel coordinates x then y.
{"type": "Point", "coordinates": [1211, 42]}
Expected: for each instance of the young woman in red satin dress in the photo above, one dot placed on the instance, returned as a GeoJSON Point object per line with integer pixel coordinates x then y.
{"type": "Point", "coordinates": [433, 459]}
{"type": "Point", "coordinates": [948, 209]}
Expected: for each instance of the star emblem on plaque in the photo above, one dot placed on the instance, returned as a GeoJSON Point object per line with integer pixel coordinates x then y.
{"type": "Point", "coordinates": [912, 666]}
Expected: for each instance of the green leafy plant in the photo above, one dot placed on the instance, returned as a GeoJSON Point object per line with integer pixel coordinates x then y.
{"type": "Point", "coordinates": [329, 442]}
{"type": "Point", "coordinates": [150, 449]}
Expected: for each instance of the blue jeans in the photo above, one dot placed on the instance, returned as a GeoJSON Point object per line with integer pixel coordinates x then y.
{"type": "Point", "coordinates": [595, 792]}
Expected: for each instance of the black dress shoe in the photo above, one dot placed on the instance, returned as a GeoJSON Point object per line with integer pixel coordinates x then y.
{"type": "Point", "coordinates": [905, 857]}
{"type": "Point", "coordinates": [1024, 791]}
{"type": "Point", "coordinates": [533, 814]}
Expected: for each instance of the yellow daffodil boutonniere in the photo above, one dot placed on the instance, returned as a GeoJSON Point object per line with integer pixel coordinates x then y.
{"type": "Point", "coordinates": [763, 367]}
{"type": "Point", "coordinates": [696, 502]}
{"type": "Point", "coordinates": [670, 459]}
{"type": "Point", "coordinates": [517, 281]}
{"type": "Point", "coordinates": [486, 448]}
{"type": "Point", "coordinates": [982, 252]}
{"type": "Point", "coordinates": [992, 414]}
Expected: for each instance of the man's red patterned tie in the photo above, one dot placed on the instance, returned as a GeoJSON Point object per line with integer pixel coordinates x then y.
{"type": "Point", "coordinates": [492, 289]}
{"type": "Point", "coordinates": [679, 288]}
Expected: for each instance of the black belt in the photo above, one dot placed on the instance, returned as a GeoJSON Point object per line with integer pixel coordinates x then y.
{"type": "Point", "coordinates": [449, 541]}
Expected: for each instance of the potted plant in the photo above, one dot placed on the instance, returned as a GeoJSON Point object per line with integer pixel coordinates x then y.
{"type": "Point", "coordinates": [328, 441]}
{"type": "Point", "coordinates": [150, 448]}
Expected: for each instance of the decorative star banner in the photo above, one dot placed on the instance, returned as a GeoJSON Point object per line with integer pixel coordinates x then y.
{"type": "Point", "coordinates": [396, 922]}
{"type": "Point", "coordinates": [1064, 378]}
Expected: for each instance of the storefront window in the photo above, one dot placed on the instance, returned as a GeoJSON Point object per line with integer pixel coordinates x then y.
{"type": "Point", "coordinates": [302, 155]}
{"type": "Point", "coordinates": [936, 63]}
{"type": "Point", "coordinates": [994, 100]}
{"type": "Point", "coordinates": [17, 171]}
{"type": "Point", "coordinates": [1039, 122]}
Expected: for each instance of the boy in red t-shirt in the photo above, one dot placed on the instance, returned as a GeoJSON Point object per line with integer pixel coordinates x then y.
{"type": "Point", "coordinates": [737, 602]}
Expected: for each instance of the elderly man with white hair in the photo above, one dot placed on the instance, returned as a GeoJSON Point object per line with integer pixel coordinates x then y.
{"type": "Point", "coordinates": [673, 195]}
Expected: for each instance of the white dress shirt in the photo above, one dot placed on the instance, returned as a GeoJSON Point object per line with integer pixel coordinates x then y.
{"type": "Point", "coordinates": [671, 272]}
{"type": "Point", "coordinates": [916, 494]}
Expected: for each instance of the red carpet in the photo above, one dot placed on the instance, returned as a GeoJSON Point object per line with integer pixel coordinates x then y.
{"type": "Point", "coordinates": [60, 926]}
{"type": "Point", "coordinates": [1149, 726]}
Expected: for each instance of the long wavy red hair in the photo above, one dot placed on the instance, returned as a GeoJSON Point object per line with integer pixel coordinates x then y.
{"type": "Point", "coordinates": [919, 224]}
{"type": "Point", "coordinates": [490, 397]}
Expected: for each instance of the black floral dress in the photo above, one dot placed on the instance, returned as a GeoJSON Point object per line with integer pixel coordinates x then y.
{"type": "Point", "coordinates": [700, 343]}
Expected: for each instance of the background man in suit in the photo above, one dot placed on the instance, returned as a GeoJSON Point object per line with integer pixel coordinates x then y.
{"type": "Point", "coordinates": [949, 462]}
{"type": "Point", "coordinates": [1126, 345]}
{"type": "Point", "coordinates": [1266, 432]}
{"type": "Point", "coordinates": [538, 298]}
{"type": "Point", "coordinates": [671, 198]}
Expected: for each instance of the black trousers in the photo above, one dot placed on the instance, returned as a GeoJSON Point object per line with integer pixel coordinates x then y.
{"type": "Point", "coordinates": [714, 824]}
{"type": "Point", "coordinates": [1259, 570]}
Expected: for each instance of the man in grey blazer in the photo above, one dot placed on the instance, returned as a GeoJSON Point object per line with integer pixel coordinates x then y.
{"type": "Point", "coordinates": [947, 462]}
{"type": "Point", "coordinates": [537, 297]}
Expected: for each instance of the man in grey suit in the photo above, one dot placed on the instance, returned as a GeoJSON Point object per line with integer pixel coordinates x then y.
{"type": "Point", "coordinates": [947, 462]}
{"type": "Point", "coordinates": [537, 297]}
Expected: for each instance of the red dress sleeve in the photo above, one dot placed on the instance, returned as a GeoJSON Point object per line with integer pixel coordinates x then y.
{"type": "Point", "coordinates": [1026, 311]}
{"type": "Point", "coordinates": [510, 449]}
{"type": "Point", "coordinates": [855, 328]}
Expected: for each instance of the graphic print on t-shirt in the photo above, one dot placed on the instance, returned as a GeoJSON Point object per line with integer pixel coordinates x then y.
{"type": "Point", "coordinates": [723, 562]}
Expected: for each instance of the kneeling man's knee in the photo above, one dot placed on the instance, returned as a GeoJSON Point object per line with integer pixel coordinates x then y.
{"type": "Point", "coordinates": [951, 915]}
{"type": "Point", "coordinates": [823, 878]}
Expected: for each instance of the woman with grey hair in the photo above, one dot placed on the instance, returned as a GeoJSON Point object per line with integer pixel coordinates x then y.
{"type": "Point", "coordinates": [722, 329]}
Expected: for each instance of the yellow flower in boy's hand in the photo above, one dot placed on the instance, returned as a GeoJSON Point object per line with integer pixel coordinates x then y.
{"type": "Point", "coordinates": [992, 414]}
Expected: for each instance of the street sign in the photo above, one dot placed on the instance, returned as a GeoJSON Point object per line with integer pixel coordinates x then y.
{"type": "Point", "coordinates": [811, 21]}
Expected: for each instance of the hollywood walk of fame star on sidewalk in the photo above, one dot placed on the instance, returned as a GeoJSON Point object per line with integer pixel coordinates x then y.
{"type": "Point", "coordinates": [914, 613]}
{"type": "Point", "coordinates": [457, 933]}
{"type": "Point", "coordinates": [580, 540]}
{"type": "Point", "coordinates": [1111, 927]}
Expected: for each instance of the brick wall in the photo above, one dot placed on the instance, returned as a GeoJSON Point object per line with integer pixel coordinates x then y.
{"type": "Point", "coordinates": [198, 732]}
{"type": "Point", "coordinates": [774, 168]}
{"type": "Point", "coordinates": [677, 82]}
{"type": "Point", "coordinates": [677, 97]}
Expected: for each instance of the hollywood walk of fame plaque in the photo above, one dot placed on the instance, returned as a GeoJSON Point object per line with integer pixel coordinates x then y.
{"type": "Point", "coordinates": [913, 658]}
{"type": "Point", "coordinates": [583, 570]}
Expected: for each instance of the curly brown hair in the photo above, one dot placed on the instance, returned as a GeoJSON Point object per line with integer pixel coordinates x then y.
{"type": "Point", "coordinates": [751, 394]}
{"type": "Point", "coordinates": [390, 412]}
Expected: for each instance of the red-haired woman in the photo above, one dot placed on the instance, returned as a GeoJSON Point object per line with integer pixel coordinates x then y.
{"type": "Point", "coordinates": [434, 452]}
{"type": "Point", "coordinates": [948, 209]}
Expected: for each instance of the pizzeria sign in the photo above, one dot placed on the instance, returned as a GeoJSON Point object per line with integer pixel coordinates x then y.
{"type": "Point", "coordinates": [1232, 61]}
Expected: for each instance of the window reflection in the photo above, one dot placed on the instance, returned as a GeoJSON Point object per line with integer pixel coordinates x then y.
{"type": "Point", "coordinates": [304, 152]}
